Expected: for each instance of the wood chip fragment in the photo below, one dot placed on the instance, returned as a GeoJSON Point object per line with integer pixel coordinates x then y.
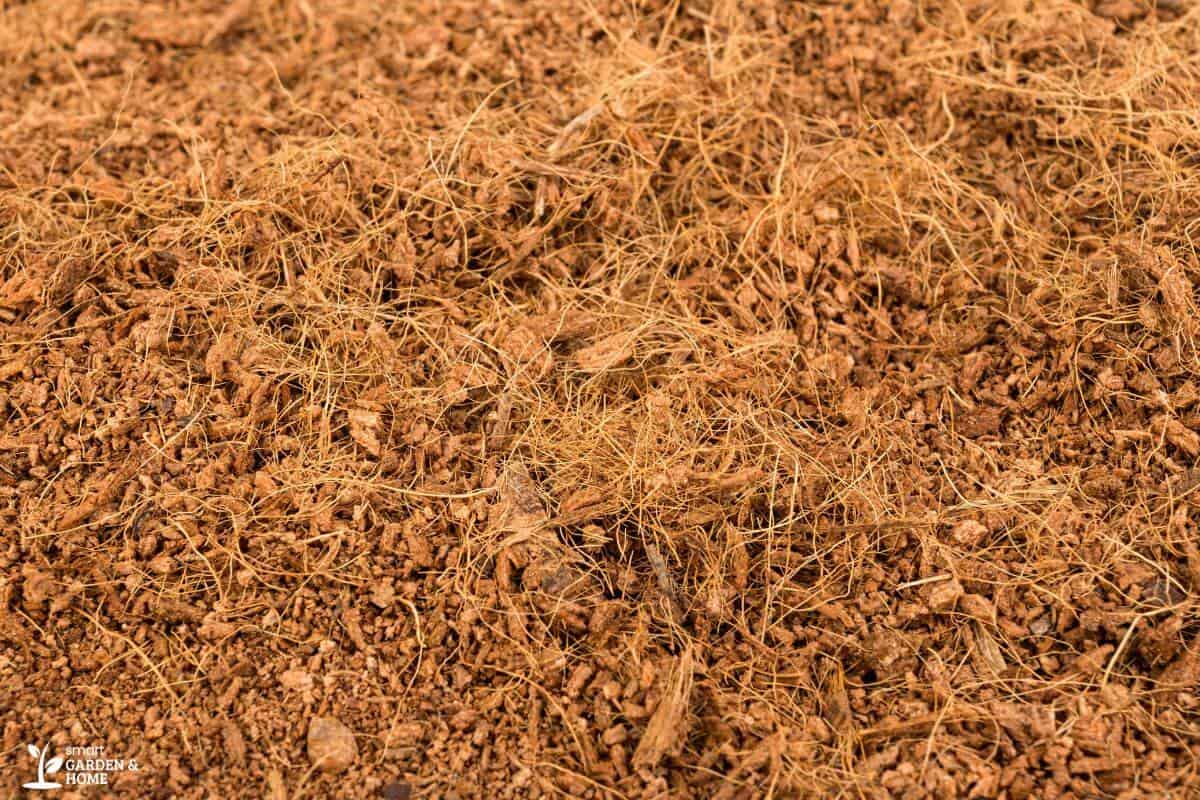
{"type": "Point", "coordinates": [607, 353]}
{"type": "Point", "coordinates": [662, 575]}
{"type": "Point", "coordinates": [364, 429]}
{"type": "Point", "coordinates": [668, 725]}
{"type": "Point", "coordinates": [234, 13]}
{"type": "Point", "coordinates": [519, 512]}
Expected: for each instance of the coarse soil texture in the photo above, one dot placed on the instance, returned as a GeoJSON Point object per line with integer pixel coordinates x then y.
{"type": "Point", "coordinates": [600, 398]}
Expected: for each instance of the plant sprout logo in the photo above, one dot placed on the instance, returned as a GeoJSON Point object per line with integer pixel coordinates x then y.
{"type": "Point", "coordinates": [44, 768]}
{"type": "Point", "coordinates": [79, 765]}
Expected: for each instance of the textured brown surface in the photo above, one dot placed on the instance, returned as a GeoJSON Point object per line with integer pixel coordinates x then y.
{"type": "Point", "coordinates": [602, 399]}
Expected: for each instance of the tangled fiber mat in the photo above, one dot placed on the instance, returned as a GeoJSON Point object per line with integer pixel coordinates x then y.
{"type": "Point", "coordinates": [600, 398]}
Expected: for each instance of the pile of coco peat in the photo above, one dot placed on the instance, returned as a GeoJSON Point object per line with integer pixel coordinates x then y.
{"type": "Point", "coordinates": [600, 399]}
